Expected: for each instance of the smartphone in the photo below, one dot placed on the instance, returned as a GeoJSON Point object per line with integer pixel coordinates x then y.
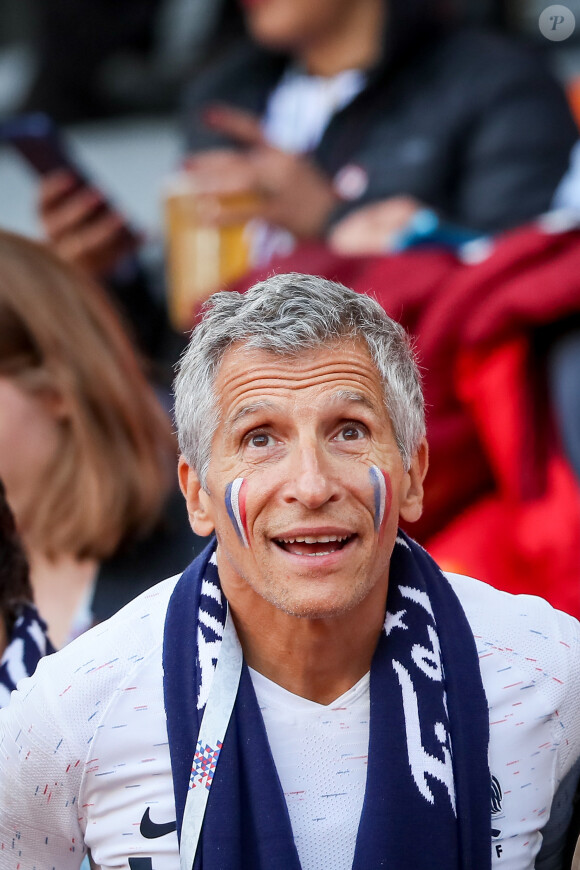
{"type": "Point", "coordinates": [37, 138]}
{"type": "Point", "coordinates": [39, 141]}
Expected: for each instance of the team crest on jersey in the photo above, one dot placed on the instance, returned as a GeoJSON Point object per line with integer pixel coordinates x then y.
{"type": "Point", "coordinates": [496, 799]}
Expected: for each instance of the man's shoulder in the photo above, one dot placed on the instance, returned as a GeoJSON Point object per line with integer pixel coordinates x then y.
{"type": "Point", "coordinates": [485, 606]}
{"type": "Point", "coordinates": [472, 47]}
{"type": "Point", "coordinates": [522, 627]}
{"type": "Point", "coordinates": [100, 660]}
{"type": "Point", "coordinates": [66, 701]}
{"type": "Point", "coordinates": [139, 623]}
{"type": "Point", "coordinates": [121, 644]}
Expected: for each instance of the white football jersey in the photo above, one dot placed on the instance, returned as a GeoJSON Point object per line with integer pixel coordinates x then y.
{"type": "Point", "coordinates": [84, 757]}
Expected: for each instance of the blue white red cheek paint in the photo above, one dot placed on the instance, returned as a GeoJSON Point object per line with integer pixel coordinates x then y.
{"type": "Point", "coordinates": [381, 484]}
{"type": "Point", "coordinates": [236, 507]}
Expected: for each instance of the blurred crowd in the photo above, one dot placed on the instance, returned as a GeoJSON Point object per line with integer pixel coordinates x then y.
{"type": "Point", "coordinates": [405, 147]}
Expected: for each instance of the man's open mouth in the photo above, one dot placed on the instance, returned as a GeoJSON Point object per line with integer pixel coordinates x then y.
{"type": "Point", "coordinates": [315, 545]}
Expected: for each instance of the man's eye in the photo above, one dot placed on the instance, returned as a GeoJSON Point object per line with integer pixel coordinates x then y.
{"type": "Point", "coordinates": [350, 433]}
{"type": "Point", "coordinates": [260, 439]}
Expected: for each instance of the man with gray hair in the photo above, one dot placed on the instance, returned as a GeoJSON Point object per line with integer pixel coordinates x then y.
{"type": "Point", "coordinates": [312, 692]}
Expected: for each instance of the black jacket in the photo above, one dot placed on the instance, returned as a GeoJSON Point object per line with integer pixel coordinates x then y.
{"type": "Point", "coordinates": [468, 122]}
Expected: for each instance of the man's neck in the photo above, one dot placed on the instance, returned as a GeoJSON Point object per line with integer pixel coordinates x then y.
{"type": "Point", "coordinates": [318, 659]}
{"type": "Point", "coordinates": [355, 43]}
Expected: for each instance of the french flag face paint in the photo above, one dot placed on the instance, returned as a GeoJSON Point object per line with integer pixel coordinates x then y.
{"type": "Point", "coordinates": [381, 484]}
{"type": "Point", "coordinates": [236, 507]}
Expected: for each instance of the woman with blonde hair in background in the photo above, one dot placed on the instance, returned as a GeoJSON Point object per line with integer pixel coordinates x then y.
{"type": "Point", "coordinates": [86, 451]}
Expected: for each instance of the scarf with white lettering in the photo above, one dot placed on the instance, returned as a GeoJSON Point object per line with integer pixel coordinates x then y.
{"type": "Point", "coordinates": [428, 792]}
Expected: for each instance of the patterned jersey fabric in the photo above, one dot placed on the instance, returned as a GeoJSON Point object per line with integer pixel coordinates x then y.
{"type": "Point", "coordinates": [84, 758]}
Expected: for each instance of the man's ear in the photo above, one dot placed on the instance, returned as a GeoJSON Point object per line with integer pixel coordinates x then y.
{"type": "Point", "coordinates": [199, 507]}
{"type": "Point", "coordinates": [411, 505]}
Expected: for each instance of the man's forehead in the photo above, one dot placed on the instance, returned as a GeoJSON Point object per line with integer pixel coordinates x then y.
{"type": "Point", "coordinates": [253, 379]}
{"type": "Point", "coordinates": [349, 349]}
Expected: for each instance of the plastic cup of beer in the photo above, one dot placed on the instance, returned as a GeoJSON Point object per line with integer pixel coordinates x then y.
{"type": "Point", "coordinates": [200, 258]}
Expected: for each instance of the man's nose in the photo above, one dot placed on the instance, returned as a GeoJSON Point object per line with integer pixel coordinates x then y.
{"type": "Point", "coordinates": [311, 481]}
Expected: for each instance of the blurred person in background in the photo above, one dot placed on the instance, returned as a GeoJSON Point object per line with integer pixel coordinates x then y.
{"type": "Point", "coordinates": [332, 108]}
{"type": "Point", "coordinates": [23, 639]}
{"type": "Point", "coordinates": [86, 451]}
{"type": "Point", "coordinates": [389, 102]}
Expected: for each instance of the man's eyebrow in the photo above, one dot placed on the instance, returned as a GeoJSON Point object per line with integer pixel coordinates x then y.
{"type": "Point", "coordinates": [245, 410]}
{"type": "Point", "coordinates": [264, 405]}
{"type": "Point", "coordinates": [354, 396]}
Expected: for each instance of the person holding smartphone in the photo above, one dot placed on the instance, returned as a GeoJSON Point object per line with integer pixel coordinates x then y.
{"type": "Point", "coordinates": [324, 112]}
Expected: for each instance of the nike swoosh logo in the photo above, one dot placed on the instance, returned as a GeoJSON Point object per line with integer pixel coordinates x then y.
{"type": "Point", "coordinates": [150, 830]}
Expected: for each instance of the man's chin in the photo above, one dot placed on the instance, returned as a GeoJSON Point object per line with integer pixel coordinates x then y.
{"type": "Point", "coordinates": [297, 597]}
{"type": "Point", "coordinates": [312, 611]}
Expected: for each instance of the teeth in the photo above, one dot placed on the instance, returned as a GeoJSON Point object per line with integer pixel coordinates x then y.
{"type": "Point", "coordinates": [319, 539]}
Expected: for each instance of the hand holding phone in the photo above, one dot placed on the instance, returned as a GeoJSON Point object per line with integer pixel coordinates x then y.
{"type": "Point", "coordinates": [39, 141]}
{"type": "Point", "coordinates": [80, 222]}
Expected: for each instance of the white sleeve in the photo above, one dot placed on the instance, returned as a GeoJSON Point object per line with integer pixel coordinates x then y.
{"type": "Point", "coordinates": [530, 665]}
{"type": "Point", "coordinates": [542, 642]}
{"type": "Point", "coordinates": [47, 735]}
{"type": "Point", "coordinates": [556, 832]}
{"type": "Point", "coordinates": [569, 707]}
{"type": "Point", "coordinates": [40, 773]}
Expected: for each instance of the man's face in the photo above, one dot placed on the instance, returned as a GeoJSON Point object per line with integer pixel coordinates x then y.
{"type": "Point", "coordinates": [311, 439]}
{"type": "Point", "coordinates": [290, 25]}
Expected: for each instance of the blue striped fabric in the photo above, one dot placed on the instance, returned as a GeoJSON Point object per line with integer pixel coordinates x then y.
{"type": "Point", "coordinates": [28, 644]}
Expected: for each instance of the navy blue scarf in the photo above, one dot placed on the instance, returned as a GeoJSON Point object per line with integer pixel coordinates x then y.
{"type": "Point", "coordinates": [28, 643]}
{"type": "Point", "coordinates": [428, 795]}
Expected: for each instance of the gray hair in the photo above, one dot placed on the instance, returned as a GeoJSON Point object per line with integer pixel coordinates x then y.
{"type": "Point", "coordinates": [286, 314]}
